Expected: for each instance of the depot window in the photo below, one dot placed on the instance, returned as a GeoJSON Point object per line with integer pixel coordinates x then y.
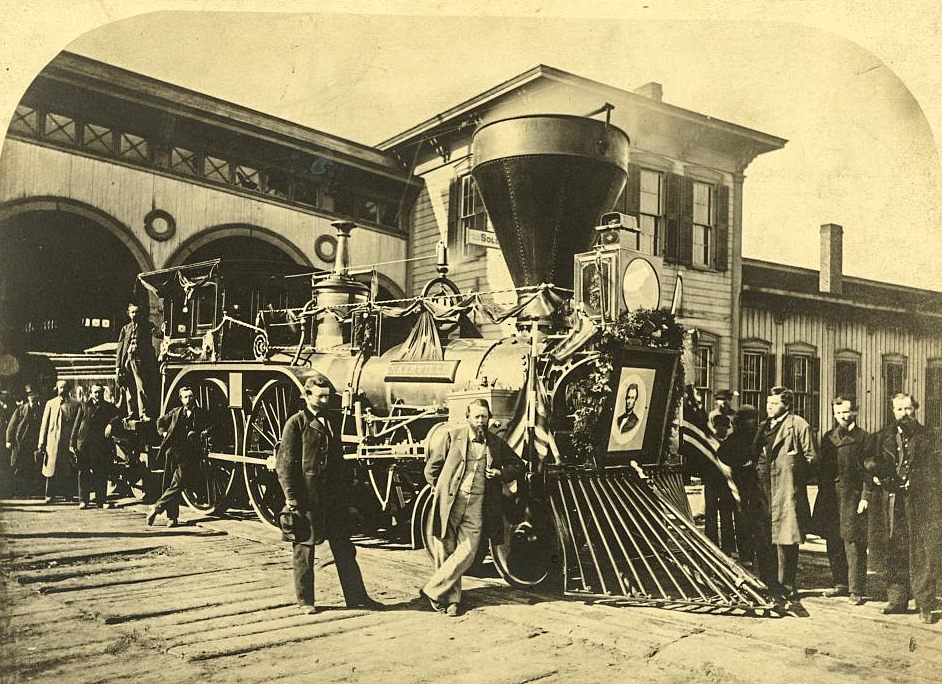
{"type": "Point", "coordinates": [651, 209]}
{"type": "Point", "coordinates": [801, 374]}
{"type": "Point", "coordinates": [702, 224]}
{"type": "Point", "coordinates": [472, 216]}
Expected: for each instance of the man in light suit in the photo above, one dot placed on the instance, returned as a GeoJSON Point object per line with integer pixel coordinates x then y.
{"type": "Point", "coordinates": [784, 449]}
{"type": "Point", "coordinates": [54, 434]}
{"type": "Point", "coordinates": [466, 471]}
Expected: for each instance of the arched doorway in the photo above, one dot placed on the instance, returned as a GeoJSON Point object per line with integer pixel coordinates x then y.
{"type": "Point", "coordinates": [65, 278]}
{"type": "Point", "coordinates": [258, 270]}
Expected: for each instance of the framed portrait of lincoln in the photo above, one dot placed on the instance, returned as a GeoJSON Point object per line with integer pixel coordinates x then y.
{"type": "Point", "coordinates": [636, 413]}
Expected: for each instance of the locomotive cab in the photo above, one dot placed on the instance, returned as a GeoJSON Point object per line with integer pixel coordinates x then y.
{"type": "Point", "coordinates": [210, 308]}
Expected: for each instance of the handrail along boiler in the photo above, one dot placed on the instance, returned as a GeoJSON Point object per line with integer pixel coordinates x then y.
{"type": "Point", "coordinates": [604, 526]}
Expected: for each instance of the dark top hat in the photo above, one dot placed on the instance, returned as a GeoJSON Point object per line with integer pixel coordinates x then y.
{"type": "Point", "coordinates": [724, 394]}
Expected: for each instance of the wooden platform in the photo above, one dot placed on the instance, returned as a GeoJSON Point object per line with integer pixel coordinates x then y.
{"type": "Point", "coordinates": [97, 596]}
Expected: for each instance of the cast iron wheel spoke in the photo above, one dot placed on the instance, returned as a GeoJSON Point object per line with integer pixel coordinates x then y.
{"type": "Point", "coordinates": [215, 478]}
{"type": "Point", "coordinates": [270, 412]}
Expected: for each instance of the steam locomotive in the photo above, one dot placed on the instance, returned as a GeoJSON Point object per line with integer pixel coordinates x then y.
{"type": "Point", "coordinates": [594, 517]}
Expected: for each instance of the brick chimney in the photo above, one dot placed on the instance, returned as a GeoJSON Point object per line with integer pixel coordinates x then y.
{"type": "Point", "coordinates": [652, 90]}
{"type": "Point", "coordinates": [831, 279]}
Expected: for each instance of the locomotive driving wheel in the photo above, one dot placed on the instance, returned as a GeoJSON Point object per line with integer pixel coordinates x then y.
{"type": "Point", "coordinates": [528, 555]}
{"type": "Point", "coordinates": [209, 487]}
{"type": "Point", "coordinates": [276, 402]}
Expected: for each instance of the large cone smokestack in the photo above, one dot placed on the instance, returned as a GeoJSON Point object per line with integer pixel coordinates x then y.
{"type": "Point", "coordinates": [545, 180]}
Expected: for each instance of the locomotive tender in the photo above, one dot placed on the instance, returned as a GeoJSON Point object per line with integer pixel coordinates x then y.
{"type": "Point", "coordinates": [606, 527]}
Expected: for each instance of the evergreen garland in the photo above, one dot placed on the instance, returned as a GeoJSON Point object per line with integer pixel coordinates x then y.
{"type": "Point", "coordinates": [655, 328]}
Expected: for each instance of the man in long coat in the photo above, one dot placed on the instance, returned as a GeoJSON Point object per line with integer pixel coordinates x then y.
{"type": "Point", "coordinates": [840, 509]}
{"type": "Point", "coordinates": [94, 451]}
{"type": "Point", "coordinates": [184, 429]}
{"type": "Point", "coordinates": [54, 433]}
{"type": "Point", "coordinates": [21, 439]}
{"type": "Point", "coordinates": [466, 470]}
{"type": "Point", "coordinates": [136, 363]}
{"type": "Point", "coordinates": [317, 483]}
{"type": "Point", "coordinates": [784, 449]}
{"type": "Point", "coordinates": [906, 459]}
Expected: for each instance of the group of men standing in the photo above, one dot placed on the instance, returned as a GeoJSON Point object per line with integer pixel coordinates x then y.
{"type": "Point", "coordinates": [67, 442]}
{"type": "Point", "coordinates": [899, 468]}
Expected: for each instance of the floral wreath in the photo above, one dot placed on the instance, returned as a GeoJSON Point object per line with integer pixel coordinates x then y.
{"type": "Point", "coordinates": [654, 328]}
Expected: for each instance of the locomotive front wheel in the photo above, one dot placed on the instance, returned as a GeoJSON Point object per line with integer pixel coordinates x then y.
{"type": "Point", "coordinates": [209, 486]}
{"type": "Point", "coordinates": [275, 403]}
{"type": "Point", "coordinates": [528, 556]}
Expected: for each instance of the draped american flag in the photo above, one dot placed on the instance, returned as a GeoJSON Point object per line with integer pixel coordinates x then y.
{"type": "Point", "coordinates": [696, 440]}
{"type": "Point", "coordinates": [533, 408]}
{"type": "Point", "coordinates": [698, 446]}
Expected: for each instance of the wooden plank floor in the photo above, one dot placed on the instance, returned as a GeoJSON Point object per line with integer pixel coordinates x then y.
{"type": "Point", "coordinates": [96, 596]}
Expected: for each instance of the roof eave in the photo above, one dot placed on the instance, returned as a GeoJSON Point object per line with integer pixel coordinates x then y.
{"type": "Point", "coordinates": [763, 142]}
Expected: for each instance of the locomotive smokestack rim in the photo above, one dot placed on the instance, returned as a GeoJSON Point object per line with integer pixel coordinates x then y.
{"type": "Point", "coordinates": [611, 146]}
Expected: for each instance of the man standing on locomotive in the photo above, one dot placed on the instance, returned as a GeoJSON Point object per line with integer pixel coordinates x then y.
{"type": "Point", "coordinates": [184, 431]}
{"type": "Point", "coordinates": [466, 471]}
{"type": "Point", "coordinates": [136, 363]}
{"type": "Point", "coordinates": [317, 483]}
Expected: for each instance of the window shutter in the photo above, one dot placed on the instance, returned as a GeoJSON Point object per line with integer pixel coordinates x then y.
{"type": "Point", "coordinates": [633, 191]}
{"type": "Point", "coordinates": [455, 240]}
{"type": "Point", "coordinates": [672, 204]}
{"type": "Point", "coordinates": [721, 257]}
{"type": "Point", "coordinates": [815, 392]}
{"type": "Point", "coordinates": [769, 373]}
{"type": "Point", "coordinates": [788, 370]}
{"type": "Point", "coordinates": [685, 224]}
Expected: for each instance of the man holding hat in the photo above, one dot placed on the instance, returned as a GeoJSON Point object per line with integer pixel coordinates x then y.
{"type": "Point", "coordinates": [317, 482]}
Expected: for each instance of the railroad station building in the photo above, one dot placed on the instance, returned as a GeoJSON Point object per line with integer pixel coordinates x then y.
{"type": "Point", "coordinates": [105, 173]}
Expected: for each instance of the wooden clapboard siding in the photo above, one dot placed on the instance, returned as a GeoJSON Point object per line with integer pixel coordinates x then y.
{"type": "Point", "coordinates": [424, 240]}
{"type": "Point", "coordinates": [830, 336]}
{"type": "Point", "coordinates": [127, 194]}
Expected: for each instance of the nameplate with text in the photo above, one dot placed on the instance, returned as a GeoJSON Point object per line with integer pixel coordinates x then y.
{"type": "Point", "coordinates": [422, 371]}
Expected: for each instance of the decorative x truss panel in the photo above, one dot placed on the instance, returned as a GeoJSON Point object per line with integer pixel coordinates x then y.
{"type": "Point", "coordinates": [134, 147]}
{"type": "Point", "coordinates": [247, 177]}
{"type": "Point", "coordinates": [216, 169]}
{"type": "Point", "coordinates": [25, 120]}
{"type": "Point", "coordinates": [183, 161]}
{"type": "Point", "coordinates": [99, 138]}
{"type": "Point", "coordinates": [60, 128]}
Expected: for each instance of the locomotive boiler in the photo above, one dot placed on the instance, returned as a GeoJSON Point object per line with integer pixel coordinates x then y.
{"type": "Point", "coordinates": [584, 385]}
